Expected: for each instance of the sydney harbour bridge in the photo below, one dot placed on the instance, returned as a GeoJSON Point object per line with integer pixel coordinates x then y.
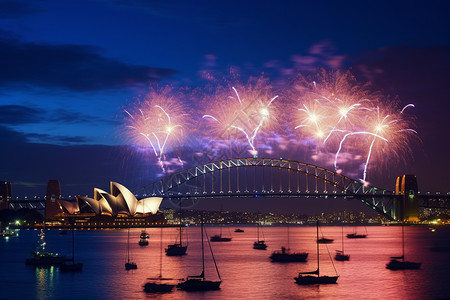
{"type": "Point", "coordinates": [279, 178]}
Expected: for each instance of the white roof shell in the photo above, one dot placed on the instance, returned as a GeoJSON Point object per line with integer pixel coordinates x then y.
{"type": "Point", "coordinates": [119, 201]}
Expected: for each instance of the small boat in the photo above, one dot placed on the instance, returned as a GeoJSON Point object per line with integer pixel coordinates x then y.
{"type": "Point", "coordinates": [399, 262]}
{"type": "Point", "coordinates": [325, 241]}
{"type": "Point", "coordinates": [259, 244]}
{"type": "Point", "coordinates": [356, 236]}
{"type": "Point", "coordinates": [396, 264]}
{"type": "Point", "coordinates": [177, 249]}
{"type": "Point", "coordinates": [220, 238]}
{"type": "Point", "coordinates": [144, 235]}
{"type": "Point", "coordinates": [45, 259]}
{"type": "Point", "coordinates": [286, 256]}
{"type": "Point", "coordinates": [239, 230]}
{"type": "Point", "coordinates": [159, 284]}
{"type": "Point", "coordinates": [143, 242]}
{"type": "Point", "coordinates": [129, 265]}
{"type": "Point", "coordinates": [42, 258]}
{"type": "Point", "coordinates": [313, 277]}
{"type": "Point", "coordinates": [8, 233]}
{"type": "Point", "coordinates": [199, 282]}
{"type": "Point", "coordinates": [72, 267]}
{"type": "Point", "coordinates": [156, 285]}
{"type": "Point", "coordinates": [143, 238]}
{"type": "Point", "coordinates": [340, 256]}
{"type": "Point", "coordinates": [63, 232]}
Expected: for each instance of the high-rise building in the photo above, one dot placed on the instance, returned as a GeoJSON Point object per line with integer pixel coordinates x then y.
{"type": "Point", "coordinates": [5, 194]}
{"type": "Point", "coordinates": [52, 206]}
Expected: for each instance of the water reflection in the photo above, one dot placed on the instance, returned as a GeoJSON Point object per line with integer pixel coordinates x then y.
{"type": "Point", "coordinates": [45, 281]}
{"type": "Point", "coordinates": [246, 272]}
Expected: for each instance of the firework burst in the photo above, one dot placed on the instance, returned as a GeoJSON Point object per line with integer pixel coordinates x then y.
{"type": "Point", "coordinates": [157, 121]}
{"type": "Point", "coordinates": [340, 114]}
{"type": "Point", "coordinates": [242, 111]}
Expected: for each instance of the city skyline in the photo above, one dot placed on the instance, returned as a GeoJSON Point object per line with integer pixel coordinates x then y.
{"type": "Point", "coordinates": [66, 86]}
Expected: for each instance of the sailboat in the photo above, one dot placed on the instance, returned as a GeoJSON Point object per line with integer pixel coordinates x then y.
{"type": "Point", "coordinates": [198, 282]}
{"type": "Point", "coordinates": [143, 238]}
{"type": "Point", "coordinates": [129, 265]}
{"type": "Point", "coordinates": [177, 249]}
{"type": "Point", "coordinates": [399, 262]}
{"type": "Point", "coordinates": [219, 237]}
{"type": "Point", "coordinates": [259, 244]}
{"type": "Point", "coordinates": [73, 267]}
{"type": "Point", "coordinates": [356, 235]}
{"type": "Point", "coordinates": [42, 258]}
{"type": "Point", "coordinates": [340, 256]}
{"type": "Point", "coordinates": [159, 284]}
{"type": "Point", "coordinates": [324, 240]}
{"type": "Point", "coordinates": [285, 255]}
{"type": "Point", "coordinates": [314, 277]}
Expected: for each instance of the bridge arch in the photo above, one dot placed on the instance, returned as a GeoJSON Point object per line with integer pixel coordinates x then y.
{"type": "Point", "coordinates": [209, 181]}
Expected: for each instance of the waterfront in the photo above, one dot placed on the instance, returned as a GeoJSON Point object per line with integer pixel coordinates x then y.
{"type": "Point", "coordinates": [246, 273]}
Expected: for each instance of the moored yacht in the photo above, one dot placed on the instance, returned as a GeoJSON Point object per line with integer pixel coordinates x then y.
{"type": "Point", "coordinates": [313, 277]}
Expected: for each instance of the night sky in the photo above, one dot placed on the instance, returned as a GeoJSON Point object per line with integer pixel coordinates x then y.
{"type": "Point", "coordinates": [69, 68]}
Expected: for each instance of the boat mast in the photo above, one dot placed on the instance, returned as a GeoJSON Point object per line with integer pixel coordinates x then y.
{"type": "Point", "coordinates": [403, 243]}
{"type": "Point", "coordinates": [317, 241]}
{"type": "Point", "coordinates": [180, 222]}
{"type": "Point", "coordinates": [258, 230]}
{"type": "Point", "coordinates": [160, 254]}
{"type": "Point", "coordinates": [73, 246]}
{"type": "Point", "coordinates": [288, 236]}
{"type": "Point", "coordinates": [128, 245]}
{"type": "Point", "coordinates": [203, 252]}
{"type": "Point", "coordinates": [212, 255]}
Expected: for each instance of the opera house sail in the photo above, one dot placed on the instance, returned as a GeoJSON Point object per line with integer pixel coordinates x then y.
{"type": "Point", "coordinates": [119, 208]}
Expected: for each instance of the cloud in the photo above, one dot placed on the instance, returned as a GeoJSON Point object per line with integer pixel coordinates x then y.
{"type": "Point", "coordinates": [19, 114]}
{"type": "Point", "coordinates": [56, 139]}
{"type": "Point", "coordinates": [11, 9]}
{"type": "Point", "coordinates": [70, 67]}
{"type": "Point", "coordinates": [321, 54]}
{"type": "Point", "coordinates": [11, 136]}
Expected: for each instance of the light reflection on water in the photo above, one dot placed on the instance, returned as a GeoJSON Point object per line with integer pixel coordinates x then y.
{"type": "Point", "coordinates": [246, 273]}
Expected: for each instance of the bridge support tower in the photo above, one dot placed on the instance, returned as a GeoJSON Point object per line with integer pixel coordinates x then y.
{"type": "Point", "coordinates": [52, 206]}
{"type": "Point", "coordinates": [5, 194]}
{"type": "Point", "coordinates": [407, 208]}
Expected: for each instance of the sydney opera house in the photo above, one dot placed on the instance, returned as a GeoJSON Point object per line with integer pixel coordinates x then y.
{"type": "Point", "coordinates": [119, 208]}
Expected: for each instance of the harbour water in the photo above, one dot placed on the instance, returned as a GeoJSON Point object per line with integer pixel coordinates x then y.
{"type": "Point", "coordinates": [246, 273]}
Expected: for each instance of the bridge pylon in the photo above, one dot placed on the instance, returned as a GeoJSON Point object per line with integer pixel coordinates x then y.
{"type": "Point", "coordinates": [407, 208]}
{"type": "Point", "coordinates": [5, 194]}
{"type": "Point", "coordinates": [52, 206]}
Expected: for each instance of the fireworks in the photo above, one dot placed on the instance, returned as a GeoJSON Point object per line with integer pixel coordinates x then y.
{"type": "Point", "coordinates": [242, 111]}
{"type": "Point", "coordinates": [332, 111]}
{"type": "Point", "coordinates": [157, 121]}
{"type": "Point", "coordinates": [342, 115]}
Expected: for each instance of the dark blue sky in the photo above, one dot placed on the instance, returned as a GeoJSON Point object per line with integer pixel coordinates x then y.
{"type": "Point", "coordinates": [68, 68]}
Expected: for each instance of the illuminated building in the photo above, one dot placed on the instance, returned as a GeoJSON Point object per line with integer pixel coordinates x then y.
{"type": "Point", "coordinates": [120, 208]}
